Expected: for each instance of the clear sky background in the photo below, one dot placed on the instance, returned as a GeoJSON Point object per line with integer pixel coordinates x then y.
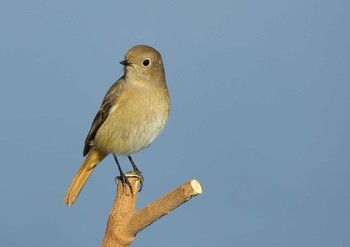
{"type": "Point", "coordinates": [260, 117]}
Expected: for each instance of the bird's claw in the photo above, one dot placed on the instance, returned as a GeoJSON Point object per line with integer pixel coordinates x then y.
{"type": "Point", "coordinates": [125, 181]}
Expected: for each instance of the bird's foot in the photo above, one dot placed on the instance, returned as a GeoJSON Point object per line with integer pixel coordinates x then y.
{"type": "Point", "coordinates": [125, 181]}
{"type": "Point", "coordinates": [139, 174]}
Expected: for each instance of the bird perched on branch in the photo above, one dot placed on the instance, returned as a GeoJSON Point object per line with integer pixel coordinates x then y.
{"type": "Point", "coordinates": [132, 114]}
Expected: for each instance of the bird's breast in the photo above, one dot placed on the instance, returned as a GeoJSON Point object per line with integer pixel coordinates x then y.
{"type": "Point", "coordinates": [133, 123]}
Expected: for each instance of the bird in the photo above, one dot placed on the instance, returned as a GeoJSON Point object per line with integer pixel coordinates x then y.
{"type": "Point", "coordinates": [133, 113]}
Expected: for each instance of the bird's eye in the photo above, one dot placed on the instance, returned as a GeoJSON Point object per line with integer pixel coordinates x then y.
{"type": "Point", "coordinates": [146, 62]}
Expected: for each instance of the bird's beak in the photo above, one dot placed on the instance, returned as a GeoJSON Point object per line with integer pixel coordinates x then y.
{"type": "Point", "coordinates": [125, 62]}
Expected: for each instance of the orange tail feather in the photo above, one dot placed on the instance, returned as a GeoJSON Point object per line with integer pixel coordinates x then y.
{"type": "Point", "coordinates": [94, 157]}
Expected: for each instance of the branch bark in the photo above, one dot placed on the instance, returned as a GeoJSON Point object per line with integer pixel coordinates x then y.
{"type": "Point", "coordinates": [124, 222]}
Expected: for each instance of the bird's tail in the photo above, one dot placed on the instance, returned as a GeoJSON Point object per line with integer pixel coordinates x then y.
{"type": "Point", "coordinates": [94, 157]}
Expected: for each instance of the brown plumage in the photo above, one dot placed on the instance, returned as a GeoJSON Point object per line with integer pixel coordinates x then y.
{"type": "Point", "coordinates": [132, 114]}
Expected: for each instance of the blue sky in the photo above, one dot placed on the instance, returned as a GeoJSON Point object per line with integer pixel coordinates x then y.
{"type": "Point", "coordinates": [260, 117]}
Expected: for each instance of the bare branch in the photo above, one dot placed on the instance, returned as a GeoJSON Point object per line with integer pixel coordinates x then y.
{"type": "Point", "coordinates": [124, 222]}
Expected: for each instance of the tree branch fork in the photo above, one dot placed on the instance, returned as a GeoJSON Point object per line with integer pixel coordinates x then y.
{"type": "Point", "coordinates": [124, 222]}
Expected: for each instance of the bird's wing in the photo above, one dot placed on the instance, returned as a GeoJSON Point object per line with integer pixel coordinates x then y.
{"type": "Point", "coordinates": [108, 102]}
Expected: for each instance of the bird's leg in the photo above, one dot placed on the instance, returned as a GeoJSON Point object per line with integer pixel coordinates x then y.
{"type": "Point", "coordinates": [123, 178]}
{"type": "Point", "coordinates": [136, 170]}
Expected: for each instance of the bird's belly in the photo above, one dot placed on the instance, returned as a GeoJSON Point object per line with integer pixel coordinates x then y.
{"type": "Point", "coordinates": [129, 129]}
